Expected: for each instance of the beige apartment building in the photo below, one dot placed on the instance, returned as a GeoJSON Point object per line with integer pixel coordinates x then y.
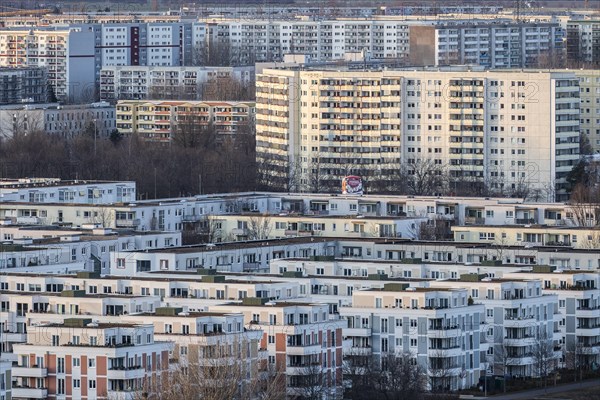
{"type": "Point", "coordinates": [163, 120]}
{"type": "Point", "coordinates": [510, 130]}
{"type": "Point", "coordinates": [589, 92]}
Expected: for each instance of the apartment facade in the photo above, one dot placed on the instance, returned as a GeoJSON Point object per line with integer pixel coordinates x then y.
{"type": "Point", "coordinates": [583, 41]}
{"type": "Point", "coordinates": [54, 190]}
{"type": "Point", "coordinates": [321, 125]}
{"type": "Point", "coordinates": [164, 121]}
{"type": "Point", "coordinates": [577, 321]}
{"type": "Point", "coordinates": [529, 235]}
{"type": "Point", "coordinates": [23, 85]}
{"type": "Point", "coordinates": [66, 121]}
{"type": "Point", "coordinates": [178, 83]}
{"type": "Point", "coordinates": [66, 54]}
{"type": "Point", "coordinates": [80, 358]}
{"type": "Point", "coordinates": [438, 328]}
{"type": "Point", "coordinates": [303, 340]}
{"type": "Point", "coordinates": [502, 44]}
{"type": "Point", "coordinates": [262, 40]}
{"type": "Point", "coordinates": [589, 85]}
{"type": "Point", "coordinates": [519, 324]}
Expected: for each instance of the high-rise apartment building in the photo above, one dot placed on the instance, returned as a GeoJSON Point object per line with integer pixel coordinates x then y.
{"type": "Point", "coordinates": [583, 41]}
{"type": "Point", "coordinates": [23, 85]}
{"type": "Point", "coordinates": [501, 44]}
{"type": "Point", "coordinates": [508, 129]}
{"type": "Point", "coordinates": [66, 53]}
{"type": "Point", "coordinates": [589, 85]}
{"type": "Point", "coordinates": [162, 83]}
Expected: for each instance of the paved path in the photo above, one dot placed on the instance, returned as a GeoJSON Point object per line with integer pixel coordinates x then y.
{"type": "Point", "coordinates": [532, 394]}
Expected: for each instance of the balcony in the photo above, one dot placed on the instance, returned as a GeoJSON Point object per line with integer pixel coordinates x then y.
{"type": "Point", "coordinates": [191, 218]}
{"type": "Point", "coordinates": [29, 372]}
{"type": "Point", "coordinates": [121, 394]}
{"type": "Point", "coordinates": [524, 221]}
{"type": "Point", "coordinates": [444, 332]}
{"type": "Point", "coordinates": [126, 373]}
{"type": "Point", "coordinates": [29, 393]}
{"type": "Point", "coordinates": [28, 220]}
{"type": "Point", "coordinates": [127, 223]}
{"type": "Point", "coordinates": [12, 337]}
{"type": "Point", "coordinates": [517, 322]}
{"type": "Point", "coordinates": [303, 350]}
{"type": "Point", "coordinates": [474, 221]}
{"type": "Point", "coordinates": [361, 332]}
{"type": "Point", "coordinates": [445, 352]}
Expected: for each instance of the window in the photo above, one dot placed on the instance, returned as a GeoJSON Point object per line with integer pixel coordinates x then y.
{"type": "Point", "coordinates": [76, 361]}
{"type": "Point", "coordinates": [61, 386]}
{"type": "Point", "coordinates": [76, 383]}
{"type": "Point", "coordinates": [120, 263]}
{"type": "Point", "coordinates": [92, 384]}
{"type": "Point", "coordinates": [92, 364]}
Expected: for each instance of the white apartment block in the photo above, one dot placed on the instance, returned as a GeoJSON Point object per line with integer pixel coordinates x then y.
{"type": "Point", "coordinates": [500, 44]}
{"type": "Point", "coordinates": [510, 129]}
{"type": "Point", "coordinates": [66, 121]}
{"type": "Point", "coordinates": [164, 120]}
{"type": "Point", "coordinates": [519, 321]}
{"type": "Point", "coordinates": [529, 235]}
{"type": "Point", "coordinates": [44, 249]}
{"type": "Point", "coordinates": [578, 316]}
{"type": "Point", "coordinates": [142, 43]}
{"type": "Point", "coordinates": [223, 257]}
{"type": "Point", "coordinates": [436, 327]}
{"type": "Point", "coordinates": [176, 82]}
{"type": "Point", "coordinates": [252, 41]}
{"type": "Point", "coordinates": [67, 54]}
{"type": "Point", "coordinates": [54, 190]}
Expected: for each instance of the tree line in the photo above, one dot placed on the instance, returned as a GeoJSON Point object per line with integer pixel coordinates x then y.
{"type": "Point", "coordinates": [183, 166]}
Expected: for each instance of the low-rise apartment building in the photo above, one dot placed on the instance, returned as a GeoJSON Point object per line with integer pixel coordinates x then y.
{"type": "Point", "coordinates": [529, 235]}
{"type": "Point", "coordinates": [578, 315]}
{"type": "Point", "coordinates": [519, 323]}
{"type": "Point", "coordinates": [80, 358]}
{"type": "Point", "coordinates": [303, 340]}
{"type": "Point", "coordinates": [439, 328]}
{"type": "Point", "coordinates": [182, 120]}
{"type": "Point", "coordinates": [54, 190]}
{"type": "Point", "coordinates": [50, 248]}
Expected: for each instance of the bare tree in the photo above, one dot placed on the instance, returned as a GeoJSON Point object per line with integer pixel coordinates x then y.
{"type": "Point", "coordinates": [441, 371]}
{"type": "Point", "coordinates": [259, 227]}
{"type": "Point", "coordinates": [219, 372]}
{"type": "Point", "coordinates": [390, 376]}
{"type": "Point", "coordinates": [585, 205]}
{"type": "Point", "coordinates": [502, 358]}
{"type": "Point", "coordinates": [313, 382]}
{"type": "Point", "coordinates": [544, 357]}
{"type": "Point", "coordinates": [103, 216]}
{"type": "Point", "coordinates": [425, 177]}
{"type": "Point", "coordinates": [436, 228]}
